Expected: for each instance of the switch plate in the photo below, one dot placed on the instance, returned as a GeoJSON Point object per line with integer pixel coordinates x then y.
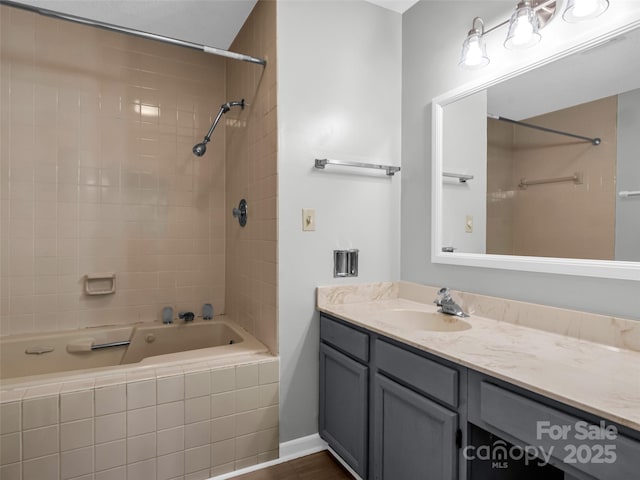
{"type": "Point", "coordinates": [468, 224]}
{"type": "Point", "coordinates": [308, 219]}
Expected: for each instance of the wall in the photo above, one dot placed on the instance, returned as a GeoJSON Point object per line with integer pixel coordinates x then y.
{"type": "Point", "coordinates": [628, 177]}
{"type": "Point", "coordinates": [251, 173]}
{"type": "Point", "coordinates": [428, 72]}
{"type": "Point", "coordinates": [339, 97]}
{"type": "Point", "coordinates": [98, 175]}
{"type": "Point", "coordinates": [164, 423]}
{"type": "Point", "coordinates": [564, 219]}
{"type": "Point", "coordinates": [464, 151]}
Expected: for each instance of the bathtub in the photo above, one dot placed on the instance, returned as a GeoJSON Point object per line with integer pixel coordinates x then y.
{"type": "Point", "coordinates": [43, 356]}
{"type": "Point", "coordinates": [146, 401]}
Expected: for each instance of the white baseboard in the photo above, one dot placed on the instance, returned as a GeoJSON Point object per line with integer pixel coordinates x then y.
{"type": "Point", "coordinates": [302, 446]}
{"type": "Point", "coordinates": [291, 450]}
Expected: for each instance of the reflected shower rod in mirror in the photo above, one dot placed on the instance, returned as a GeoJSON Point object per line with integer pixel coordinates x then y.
{"type": "Point", "coordinates": [136, 33]}
{"type": "Point", "coordinates": [594, 141]}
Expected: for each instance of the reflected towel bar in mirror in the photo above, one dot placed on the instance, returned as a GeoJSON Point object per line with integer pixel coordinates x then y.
{"type": "Point", "coordinates": [321, 162]}
{"type": "Point", "coordinates": [575, 178]}
{"type": "Point", "coordinates": [626, 194]}
{"type": "Point", "coordinates": [462, 178]}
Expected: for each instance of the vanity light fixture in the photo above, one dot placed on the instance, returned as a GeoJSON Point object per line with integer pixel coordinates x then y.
{"type": "Point", "coordinates": [474, 51]}
{"type": "Point", "coordinates": [524, 27]}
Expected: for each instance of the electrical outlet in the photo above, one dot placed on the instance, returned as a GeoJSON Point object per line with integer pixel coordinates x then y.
{"type": "Point", "coordinates": [308, 219]}
{"type": "Point", "coordinates": [468, 224]}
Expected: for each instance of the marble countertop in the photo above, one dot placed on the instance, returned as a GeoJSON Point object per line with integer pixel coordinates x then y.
{"type": "Point", "coordinates": [594, 377]}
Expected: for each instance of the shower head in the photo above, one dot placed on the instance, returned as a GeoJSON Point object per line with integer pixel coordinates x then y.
{"type": "Point", "coordinates": [200, 149]}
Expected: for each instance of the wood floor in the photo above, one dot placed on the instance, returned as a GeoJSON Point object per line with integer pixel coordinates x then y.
{"type": "Point", "coordinates": [318, 466]}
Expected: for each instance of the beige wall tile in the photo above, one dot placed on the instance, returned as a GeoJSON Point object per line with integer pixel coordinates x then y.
{"type": "Point", "coordinates": [10, 417]}
{"type": "Point", "coordinates": [141, 394]}
{"type": "Point", "coordinates": [141, 448]}
{"type": "Point", "coordinates": [170, 415]}
{"type": "Point", "coordinates": [76, 406]}
{"type": "Point", "coordinates": [142, 420]}
{"type": "Point", "coordinates": [110, 455]}
{"type": "Point", "coordinates": [44, 468]}
{"type": "Point", "coordinates": [11, 448]}
{"type": "Point", "coordinates": [75, 435]}
{"type": "Point", "coordinates": [119, 473]}
{"type": "Point", "coordinates": [172, 440]}
{"type": "Point", "coordinates": [223, 380]}
{"type": "Point", "coordinates": [197, 409]}
{"type": "Point", "coordinates": [110, 427]}
{"type": "Point", "coordinates": [223, 452]}
{"type": "Point", "coordinates": [142, 470]}
{"type": "Point", "coordinates": [39, 412]}
{"type": "Point", "coordinates": [39, 442]}
{"type": "Point", "coordinates": [197, 434]}
{"type": "Point", "coordinates": [170, 466]}
{"type": "Point", "coordinates": [76, 463]}
{"type": "Point", "coordinates": [110, 399]}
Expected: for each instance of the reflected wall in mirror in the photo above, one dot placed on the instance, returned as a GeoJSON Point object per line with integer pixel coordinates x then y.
{"type": "Point", "coordinates": [546, 198]}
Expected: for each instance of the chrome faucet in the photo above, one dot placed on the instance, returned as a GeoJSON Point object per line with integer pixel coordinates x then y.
{"type": "Point", "coordinates": [186, 316]}
{"type": "Point", "coordinates": [447, 305]}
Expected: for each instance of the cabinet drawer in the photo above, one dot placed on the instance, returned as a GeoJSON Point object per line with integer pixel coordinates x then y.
{"type": "Point", "coordinates": [559, 434]}
{"type": "Point", "coordinates": [349, 340]}
{"type": "Point", "coordinates": [425, 375]}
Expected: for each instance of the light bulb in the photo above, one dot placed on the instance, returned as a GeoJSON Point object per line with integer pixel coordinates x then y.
{"type": "Point", "coordinates": [584, 8]}
{"type": "Point", "coordinates": [522, 31]}
{"type": "Point", "coordinates": [523, 28]}
{"type": "Point", "coordinates": [579, 10]}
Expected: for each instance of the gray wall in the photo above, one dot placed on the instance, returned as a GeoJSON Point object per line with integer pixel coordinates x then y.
{"type": "Point", "coordinates": [339, 98]}
{"type": "Point", "coordinates": [433, 32]}
{"type": "Point", "coordinates": [628, 175]}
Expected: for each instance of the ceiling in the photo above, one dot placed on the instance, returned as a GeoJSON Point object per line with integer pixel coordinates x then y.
{"type": "Point", "coordinates": [214, 23]}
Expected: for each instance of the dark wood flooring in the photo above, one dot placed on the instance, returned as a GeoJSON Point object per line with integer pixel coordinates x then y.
{"type": "Point", "coordinates": [318, 466]}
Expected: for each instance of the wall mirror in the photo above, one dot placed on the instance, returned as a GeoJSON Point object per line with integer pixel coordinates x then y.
{"type": "Point", "coordinates": [561, 198]}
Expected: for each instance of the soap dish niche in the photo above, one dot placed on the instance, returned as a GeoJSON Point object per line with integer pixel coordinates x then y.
{"type": "Point", "coordinates": [100, 283]}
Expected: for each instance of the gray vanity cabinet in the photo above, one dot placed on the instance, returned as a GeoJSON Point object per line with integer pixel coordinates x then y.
{"type": "Point", "coordinates": [414, 437]}
{"type": "Point", "coordinates": [414, 434]}
{"type": "Point", "coordinates": [344, 392]}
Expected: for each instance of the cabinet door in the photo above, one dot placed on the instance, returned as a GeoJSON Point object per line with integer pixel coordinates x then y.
{"type": "Point", "coordinates": [414, 437]}
{"type": "Point", "coordinates": [344, 407]}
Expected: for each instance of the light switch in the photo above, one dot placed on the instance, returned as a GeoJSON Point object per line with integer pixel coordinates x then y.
{"type": "Point", "coordinates": [468, 224]}
{"type": "Point", "coordinates": [308, 219]}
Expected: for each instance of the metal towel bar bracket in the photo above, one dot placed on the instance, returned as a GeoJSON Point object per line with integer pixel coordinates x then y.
{"type": "Point", "coordinates": [321, 162]}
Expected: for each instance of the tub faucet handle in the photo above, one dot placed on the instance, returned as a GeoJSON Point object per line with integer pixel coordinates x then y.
{"type": "Point", "coordinates": [186, 316]}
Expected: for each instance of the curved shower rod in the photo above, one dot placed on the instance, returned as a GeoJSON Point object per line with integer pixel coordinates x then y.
{"type": "Point", "coordinates": [138, 33]}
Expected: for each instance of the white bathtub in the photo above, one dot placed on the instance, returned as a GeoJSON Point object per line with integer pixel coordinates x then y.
{"type": "Point", "coordinates": [45, 356]}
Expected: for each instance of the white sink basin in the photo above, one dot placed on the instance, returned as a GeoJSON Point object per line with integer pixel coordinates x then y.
{"type": "Point", "coordinates": [419, 320]}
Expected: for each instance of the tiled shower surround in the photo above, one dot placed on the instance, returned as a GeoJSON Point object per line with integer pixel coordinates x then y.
{"type": "Point", "coordinates": [97, 175]}
{"type": "Point", "coordinates": [189, 422]}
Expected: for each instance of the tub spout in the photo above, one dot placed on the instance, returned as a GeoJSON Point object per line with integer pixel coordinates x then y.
{"type": "Point", "coordinates": [186, 316]}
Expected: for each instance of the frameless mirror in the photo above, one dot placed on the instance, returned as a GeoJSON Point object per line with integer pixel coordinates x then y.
{"type": "Point", "coordinates": [541, 171]}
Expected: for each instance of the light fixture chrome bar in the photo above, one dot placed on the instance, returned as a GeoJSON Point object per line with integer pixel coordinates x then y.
{"type": "Point", "coordinates": [138, 33]}
{"type": "Point", "coordinates": [545, 6]}
{"type": "Point", "coordinates": [391, 170]}
{"type": "Point", "coordinates": [462, 178]}
{"type": "Point", "coordinates": [575, 178]}
{"type": "Point", "coordinates": [594, 141]}
{"type": "Point", "coordinates": [626, 194]}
